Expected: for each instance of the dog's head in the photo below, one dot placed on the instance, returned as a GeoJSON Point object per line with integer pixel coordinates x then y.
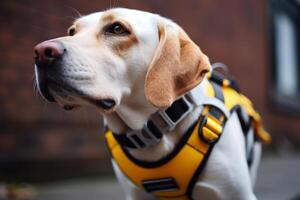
{"type": "Point", "coordinates": [119, 57]}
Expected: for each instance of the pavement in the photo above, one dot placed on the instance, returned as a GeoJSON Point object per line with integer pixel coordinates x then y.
{"type": "Point", "coordinates": [278, 179]}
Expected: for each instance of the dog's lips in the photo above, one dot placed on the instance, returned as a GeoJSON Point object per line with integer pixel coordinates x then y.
{"type": "Point", "coordinates": [44, 90]}
{"type": "Point", "coordinates": [106, 104]}
{"type": "Point", "coordinates": [51, 90]}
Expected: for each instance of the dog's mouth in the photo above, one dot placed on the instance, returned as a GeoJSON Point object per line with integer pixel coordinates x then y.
{"type": "Point", "coordinates": [69, 96]}
{"type": "Point", "coordinates": [106, 104]}
{"type": "Point", "coordinates": [44, 90]}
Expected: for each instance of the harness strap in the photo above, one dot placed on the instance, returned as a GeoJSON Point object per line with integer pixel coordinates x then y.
{"type": "Point", "coordinates": [161, 178]}
{"type": "Point", "coordinates": [159, 122]}
{"type": "Point", "coordinates": [235, 101]}
{"type": "Point", "coordinates": [249, 119]}
{"type": "Point", "coordinates": [211, 126]}
{"type": "Point", "coordinates": [141, 138]}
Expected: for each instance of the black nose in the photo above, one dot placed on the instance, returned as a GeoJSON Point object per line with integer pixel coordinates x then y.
{"type": "Point", "coordinates": [47, 52]}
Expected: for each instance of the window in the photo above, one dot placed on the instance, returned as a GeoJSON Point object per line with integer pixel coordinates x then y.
{"type": "Point", "coordinates": [285, 18]}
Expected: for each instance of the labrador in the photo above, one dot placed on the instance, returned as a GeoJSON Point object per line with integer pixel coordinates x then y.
{"type": "Point", "coordinates": [129, 64]}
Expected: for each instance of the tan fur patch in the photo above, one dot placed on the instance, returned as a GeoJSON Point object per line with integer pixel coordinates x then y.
{"type": "Point", "coordinates": [177, 67]}
{"type": "Point", "coordinates": [124, 44]}
{"type": "Point", "coordinates": [108, 17]}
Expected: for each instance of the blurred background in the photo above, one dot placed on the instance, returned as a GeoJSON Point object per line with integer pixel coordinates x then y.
{"type": "Point", "coordinates": [48, 153]}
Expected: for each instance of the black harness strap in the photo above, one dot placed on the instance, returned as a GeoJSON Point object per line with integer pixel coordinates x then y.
{"type": "Point", "coordinates": [217, 114]}
{"type": "Point", "coordinates": [136, 140]}
{"type": "Point", "coordinates": [245, 120]}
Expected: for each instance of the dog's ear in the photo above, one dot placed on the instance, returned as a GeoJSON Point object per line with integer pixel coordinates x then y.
{"type": "Point", "coordinates": [178, 66]}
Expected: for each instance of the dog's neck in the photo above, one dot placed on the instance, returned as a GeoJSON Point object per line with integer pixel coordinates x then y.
{"type": "Point", "coordinates": [120, 122]}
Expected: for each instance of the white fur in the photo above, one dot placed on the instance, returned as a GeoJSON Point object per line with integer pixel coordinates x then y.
{"type": "Point", "coordinates": [103, 74]}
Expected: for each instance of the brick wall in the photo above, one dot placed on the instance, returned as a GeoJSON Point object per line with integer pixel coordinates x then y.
{"type": "Point", "coordinates": [36, 136]}
{"type": "Point", "coordinates": [39, 140]}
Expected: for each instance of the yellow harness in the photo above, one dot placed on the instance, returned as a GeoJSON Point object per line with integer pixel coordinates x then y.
{"type": "Point", "coordinates": [174, 176]}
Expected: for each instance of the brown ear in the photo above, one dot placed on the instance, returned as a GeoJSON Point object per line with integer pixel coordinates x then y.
{"type": "Point", "coordinates": [178, 66]}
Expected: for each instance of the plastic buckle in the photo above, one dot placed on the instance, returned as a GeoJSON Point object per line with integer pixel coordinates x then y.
{"type": "Point", "coordinates": [168, 119]}
{"type": "Point", "coordinates": [204, 124]}
{"type": "Point", "coordinates": [144, 135]}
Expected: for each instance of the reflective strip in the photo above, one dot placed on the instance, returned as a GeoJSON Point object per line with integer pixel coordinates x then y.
{"type": "Point", "coordinates": [158, 185]}
{"type": "Point", "coordinates": [175, 198]}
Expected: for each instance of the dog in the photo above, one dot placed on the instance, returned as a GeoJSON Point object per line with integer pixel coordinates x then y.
{"type": "Point", "coordinates": [129, 65]}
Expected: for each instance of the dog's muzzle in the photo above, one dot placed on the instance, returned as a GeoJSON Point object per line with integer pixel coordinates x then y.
{"type": "Point", "coordinates": [47, 55]}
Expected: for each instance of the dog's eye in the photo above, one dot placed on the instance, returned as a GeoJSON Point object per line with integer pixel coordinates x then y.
{"type": "Point", "coordinates": [117, 29]}
{"type": "Point", "coordinates": [71, 31]}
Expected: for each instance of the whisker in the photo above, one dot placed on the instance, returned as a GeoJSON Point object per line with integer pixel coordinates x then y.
{"type": "Point", "coordinates": [35, 87]}
{"type": "Point", "coordinates": [76, 11]}
{"type": "Point", "coordinates": [117, 2]}
{"type": "Point", "coordinates": [31, 10]}
{"type": "Point", "coordinates": [87, 121]}
{"type": "Point", "coordinates": [38, 28]}
{"type": "Point", "coordinates": [36, 92]}
{"type": "Point", "coordinates": [45, 106]}
{"type": "Point", "coordinates": [73, 18]}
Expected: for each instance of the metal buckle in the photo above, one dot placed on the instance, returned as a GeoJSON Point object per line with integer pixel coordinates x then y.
{"type": "Point", "coordinates": [171, 124]}
{"type": "Point", "coordinates": [145, 136]}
